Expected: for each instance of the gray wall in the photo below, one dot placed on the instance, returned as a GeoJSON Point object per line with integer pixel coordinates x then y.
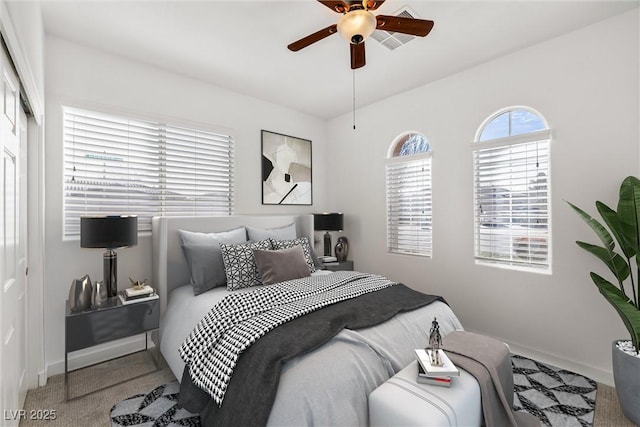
{"type": "Point", "coordinates": [586, 85]}
{"type": "Point", "coordinates": [79, 76]}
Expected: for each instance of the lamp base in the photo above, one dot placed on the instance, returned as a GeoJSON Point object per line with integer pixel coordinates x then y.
{"type": "Point", "coordinates": [327, 244]}
{"type": "Point", "coordinates": [110, 267]}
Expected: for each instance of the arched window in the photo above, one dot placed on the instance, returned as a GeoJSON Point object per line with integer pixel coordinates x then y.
{"type": "Point", "coordinates": [409, 195]}
{"type": "Point", "coordinates": [511, 190]}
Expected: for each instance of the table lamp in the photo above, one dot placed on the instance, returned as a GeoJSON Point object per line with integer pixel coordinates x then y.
{"type": "Point", "coordinates": [328, 222]}
{"type": "Point", "coordinates": [110, 233]}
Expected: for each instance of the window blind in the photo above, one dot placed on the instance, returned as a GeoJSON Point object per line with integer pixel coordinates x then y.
{"type": "Point", "coordinates": [409, 206]}
{"type": "Point", "coordinates": [511, 194]}
{"type": "Point", "coordinates": [118, 165]}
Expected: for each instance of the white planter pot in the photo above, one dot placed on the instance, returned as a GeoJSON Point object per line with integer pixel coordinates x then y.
{"type": "Point", "coordinates": [626, 375]}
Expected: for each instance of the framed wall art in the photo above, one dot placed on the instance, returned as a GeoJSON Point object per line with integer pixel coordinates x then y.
{"type": "Point", "coordinates": [286, 170]}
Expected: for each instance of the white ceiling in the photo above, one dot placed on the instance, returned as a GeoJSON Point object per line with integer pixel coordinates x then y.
{"type": "Point", "coordinates": [241, 45]}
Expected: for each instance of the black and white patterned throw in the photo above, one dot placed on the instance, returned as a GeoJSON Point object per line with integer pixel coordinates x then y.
{"type": "Point", "coordinates": [236, 322]}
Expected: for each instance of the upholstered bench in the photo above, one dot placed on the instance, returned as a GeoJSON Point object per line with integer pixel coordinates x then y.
{"type": "Point", "coordinates": [401, 400]}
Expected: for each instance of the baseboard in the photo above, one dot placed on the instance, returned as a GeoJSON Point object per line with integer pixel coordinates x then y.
{"type": "Point", "coordinates": [598, 375]}
{"type": "Point", "coordinates": [100, 353]}
{"type": "Point", "coordinates": [42, 378]}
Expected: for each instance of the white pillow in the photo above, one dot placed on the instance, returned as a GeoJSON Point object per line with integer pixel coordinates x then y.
{"type": "Point", "coordinates": [287, 232]}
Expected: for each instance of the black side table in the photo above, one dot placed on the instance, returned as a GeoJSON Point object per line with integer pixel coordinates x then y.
{"type": "Point", "coordinates": [338, 266]}
{"type": "Point", "coordinates": [111, 321]}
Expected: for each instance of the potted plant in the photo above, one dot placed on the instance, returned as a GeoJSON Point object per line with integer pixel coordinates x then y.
{"type": "Point", "coordinates": [623, 228]}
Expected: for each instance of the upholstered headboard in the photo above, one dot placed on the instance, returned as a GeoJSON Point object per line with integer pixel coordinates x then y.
{"type": "Point", "coordinates": [169, 265]}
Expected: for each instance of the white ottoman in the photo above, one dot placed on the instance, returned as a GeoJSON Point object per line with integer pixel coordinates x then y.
{"type": "Point", "coordinates": [402, 401]}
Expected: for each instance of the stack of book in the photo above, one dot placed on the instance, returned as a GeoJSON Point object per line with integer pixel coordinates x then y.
{"type": "Point", "coordinates": [137, 294]}
{"type": "Point", "coordinates": [435, 375]}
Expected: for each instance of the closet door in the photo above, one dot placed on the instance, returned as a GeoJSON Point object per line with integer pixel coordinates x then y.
{"type": "Point", "coordinates": [13, 381]}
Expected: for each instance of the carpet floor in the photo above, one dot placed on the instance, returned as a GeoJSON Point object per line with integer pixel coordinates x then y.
{"type": "Point", "coordinates": [94, 409]}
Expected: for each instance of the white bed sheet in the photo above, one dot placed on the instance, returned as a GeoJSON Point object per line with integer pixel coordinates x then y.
{"type": "Point", "coordinates": [330, 385]}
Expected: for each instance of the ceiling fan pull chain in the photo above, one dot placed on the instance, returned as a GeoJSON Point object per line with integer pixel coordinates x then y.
{"type": "Point", "coordinates": [354, 99]}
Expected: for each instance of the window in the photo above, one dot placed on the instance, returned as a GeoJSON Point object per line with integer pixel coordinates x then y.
{"type": "Point", "coordinates": [511, 191]}
{"type": "Point", "coordinates": [118, 165]}
{"type": "Point", "coordinates": [409, 196]}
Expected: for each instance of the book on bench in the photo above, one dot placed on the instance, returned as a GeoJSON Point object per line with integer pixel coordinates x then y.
{"type": "Point", "coordinates": [443, 381]}
{"type": "Point", "coordinates": [435, 375]}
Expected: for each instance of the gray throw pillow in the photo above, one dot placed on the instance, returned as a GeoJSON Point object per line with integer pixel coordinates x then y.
{"type": "Point", "coordinates": [281, 233]}
{"type": "Point", "coordinates": [306, 249]}
{"type": "Point", "coordinates": [280, 265]}
{"type": "Point", "coordinates": [204, 258]}
{"type": "Point", "coordinates": [240, 264]}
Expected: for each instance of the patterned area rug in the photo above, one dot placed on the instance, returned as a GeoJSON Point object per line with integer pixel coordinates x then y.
{"type": "Point", "coordinates": [556, 396]}
{"type": "Point", "coordinates": [157, 408]}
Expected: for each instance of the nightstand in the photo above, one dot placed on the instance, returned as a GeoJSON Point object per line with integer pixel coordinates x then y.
{"type": "Point", "coordinates": [111, 321]}
{"type": "Point", "coordinates": [338, 266]}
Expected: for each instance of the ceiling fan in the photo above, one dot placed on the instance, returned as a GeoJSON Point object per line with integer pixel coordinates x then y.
{"type": "Point", "coordinates": [357, 23]}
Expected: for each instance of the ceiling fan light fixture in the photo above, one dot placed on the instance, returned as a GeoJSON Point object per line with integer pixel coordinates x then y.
{"type": "Point", "coordinates": [356, 25]}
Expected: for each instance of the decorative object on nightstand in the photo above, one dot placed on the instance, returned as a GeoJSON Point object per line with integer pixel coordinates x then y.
{"type": "Point", "coordinates": [98, 294]}
{"type": "Point", "coordinates": [328, 222]}
{"type": "Point", "coordinates": [124, 299]}
{"type": "Point", "coordinates": [110, 233]}
{"type": "Point", "coordinates": [138, 292]}
{"type": "Point", "coordinates": [342, 249]}
{"type": "Point", "coordinates": [80, 294]}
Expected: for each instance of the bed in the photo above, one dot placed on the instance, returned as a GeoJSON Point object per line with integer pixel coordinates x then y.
{"type": "Point", "coordinates": [328, 385]}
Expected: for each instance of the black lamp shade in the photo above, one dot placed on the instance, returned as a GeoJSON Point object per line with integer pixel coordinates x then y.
{"type": "Point", "coordinates": [328, 221]}
{"type": "Point", "coordinates": [108, 232]}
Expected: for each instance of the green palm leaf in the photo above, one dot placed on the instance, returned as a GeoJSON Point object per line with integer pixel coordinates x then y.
{"type": "Point", "coordinates": [599, 229]}
{"type": "Point", "coordinates": [610, 218]}
{"type": "Point", "coordinates": [628, 312]}
{"type": "Point", "coordinates": [624, 225]}
{"type": "Point", "coordinates": [614, 261]}
{"type": "Point", "coordinates": [629, 211]}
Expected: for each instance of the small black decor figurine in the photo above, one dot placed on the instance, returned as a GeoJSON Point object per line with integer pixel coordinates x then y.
{"type": "Point", "coordinates": [435, 341]}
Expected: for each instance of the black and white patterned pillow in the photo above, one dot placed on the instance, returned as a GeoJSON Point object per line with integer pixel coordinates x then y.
{"type": "Point", "coordinates": [240, 264]}
{"type": "Point", "coordinates": [306, 248]}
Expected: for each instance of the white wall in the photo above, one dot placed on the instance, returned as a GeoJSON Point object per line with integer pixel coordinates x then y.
{"type": "Point", "coordinates": [80, 76]}
{"type": "Point", "coordinates": [586, 85]}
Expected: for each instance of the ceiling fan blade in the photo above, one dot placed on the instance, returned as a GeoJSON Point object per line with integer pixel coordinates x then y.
{"type": "Point", "coordinates": [373, 5]}
{"type": "Point", "coordinates": [413, 26]}
{"type": "Point", "coordinates": [357, 55]}
{"type": "Point", "coordinates": [336, 6]}
{"type": "Point", "coordinates": [312, 38]}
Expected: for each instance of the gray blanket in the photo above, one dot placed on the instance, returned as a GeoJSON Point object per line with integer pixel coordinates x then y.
{"type": "Point", "coordinates": [254, 383]}
{"type": "Point", "coordinates": [488, 360]}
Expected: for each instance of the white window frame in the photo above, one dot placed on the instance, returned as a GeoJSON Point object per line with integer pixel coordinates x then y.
{"type": "Point", "coordinates": [525, 248]}
{"type": "Point", "coordinates": [149, 168]}
{"type": "Point", "coordinates": [417, 236]}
